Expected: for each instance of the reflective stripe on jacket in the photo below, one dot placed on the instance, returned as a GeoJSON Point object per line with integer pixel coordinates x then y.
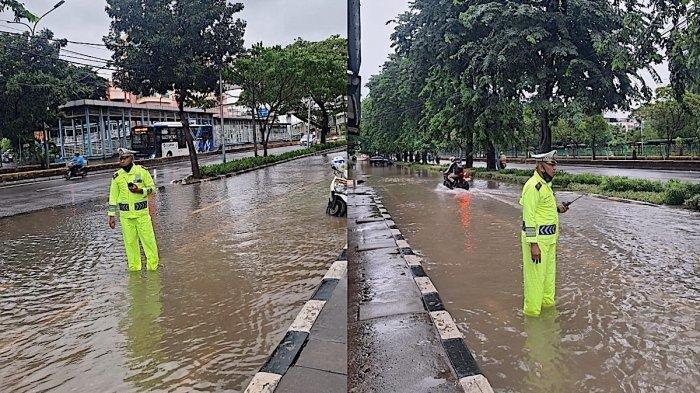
{"type": "Point", "coordinates": [540, 215]}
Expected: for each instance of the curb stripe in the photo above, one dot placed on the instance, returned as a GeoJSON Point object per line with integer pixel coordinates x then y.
{"type": "Point", "coordinates": [307, 316]}
{"type": "Point", "coordinates": [337, 270]}
{"type": "Point", "coordinates": [463, 363]}
{"type": "Point", "coordinates": [460, 357]}
{"type": "Point", "coordinates": [263, 383]}
{"type": "Point", "coordinates": [476, 383]}
{"type": "Point", "coordinates": [325, 290]}
{"type": "Point", "coordinates": [286, 353]}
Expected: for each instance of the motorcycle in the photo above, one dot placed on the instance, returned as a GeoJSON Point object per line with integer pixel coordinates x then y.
{"type": "Point", "coordinates": [338, 201]}
{"type": "Point", "coordinates": [460, 182]}
{"type": "Point", "coordinates": [73, 171]}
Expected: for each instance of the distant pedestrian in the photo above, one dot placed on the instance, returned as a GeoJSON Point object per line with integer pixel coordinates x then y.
{"type": "Point", "coordinates": [128, 193]}
{"type": "Point", "coordinates": [540, 235]}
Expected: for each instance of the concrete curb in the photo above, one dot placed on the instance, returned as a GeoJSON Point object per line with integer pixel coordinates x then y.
{"type": "Point", "coordinates": [463, 363]}
{"type": "Point", "coordinates": [288, 350]}
{"type": "Point", "coordinates": [185, 182]}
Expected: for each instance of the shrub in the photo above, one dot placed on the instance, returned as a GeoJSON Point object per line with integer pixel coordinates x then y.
{"type": "Point", "coordinates": [615, 183]}
{"type": "Point", "coordinates": [693, 202]}
{"type": "Point", "coordinates": [677, 192]}
{"type": "Point", "coordinates": [252, 162]}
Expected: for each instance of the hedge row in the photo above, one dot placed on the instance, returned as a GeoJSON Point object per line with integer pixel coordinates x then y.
{"type": "Point", "coordinates": [673, 192]}
{"type": "Point", "coordinates": [252, 162]}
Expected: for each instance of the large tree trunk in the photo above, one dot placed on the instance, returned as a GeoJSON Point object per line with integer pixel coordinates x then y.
{"type": "Point", "coordinates": [263, 140]}
{"type": "Point", "coordinates": [490, 155]}
{"type": "Point", "coordinates": [593, 149]}
{"type": "Point", "coordinates": [424, 157]}
{"type": "Point", "coordinates": [469, 150]}
{"type": "Point", "coordinates": [545, 144]}
{"type": "Point", "coordinates": [194, 163]}
{"type": "Point", "coordinates": [325, 121]}
{"type": "Point", "coordinates": [255, 134]}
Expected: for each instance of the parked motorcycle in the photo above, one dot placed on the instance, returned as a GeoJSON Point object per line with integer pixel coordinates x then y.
{"type": "Point", "coordinates": [338, 201]}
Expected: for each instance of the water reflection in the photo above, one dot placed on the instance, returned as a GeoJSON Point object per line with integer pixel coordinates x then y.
{"type": "Point", "coordinates": [142, 329]}
{"type": "Point", "coordinates": [545, 355]}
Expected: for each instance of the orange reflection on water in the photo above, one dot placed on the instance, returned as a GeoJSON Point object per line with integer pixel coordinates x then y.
{"type": "Point", "coordinates": [464, 200]}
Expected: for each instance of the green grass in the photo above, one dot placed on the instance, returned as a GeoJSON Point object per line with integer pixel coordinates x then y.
{"type": "Point", "coordinates": [673, 192]}
{"type": "Point", "coordinates": [252, 162]}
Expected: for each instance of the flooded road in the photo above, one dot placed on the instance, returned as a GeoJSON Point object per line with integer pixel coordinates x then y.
{"type": "Point", "coordinates": [627, 286]}
{"type": "Point", "coordinates": [238, 259]}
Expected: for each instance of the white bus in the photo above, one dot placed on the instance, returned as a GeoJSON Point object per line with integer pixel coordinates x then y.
{"type": "Point", "coordinates": [167, 139]}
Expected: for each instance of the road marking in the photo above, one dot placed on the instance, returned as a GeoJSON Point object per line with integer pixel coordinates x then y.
{"type": "Point", "coordinates": [307, 316]}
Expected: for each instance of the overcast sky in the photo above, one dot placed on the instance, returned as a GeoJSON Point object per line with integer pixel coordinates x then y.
{"type": "Point", "coordinates": [269, 21]}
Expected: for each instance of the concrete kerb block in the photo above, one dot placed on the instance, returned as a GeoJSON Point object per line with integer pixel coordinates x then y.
{"type": "Point", "coordinates": [445, 325]}
{"type": "Point", "coordinates": [307, 316]}
{"type": "Point", "coordinates": [263, 382]}
{"type": "Point", "coordinates": [402, 244]}
{"type": "Point", "coordinates": [338, 270]}
{"type": "Point", "coordinates": [412, 260]}
{"type": "Point", "coordinates": [475, 384]}
{"type": "Point", "coordinates": [425, 285]}
{"type": "Point", "coordinates": [395, 231]}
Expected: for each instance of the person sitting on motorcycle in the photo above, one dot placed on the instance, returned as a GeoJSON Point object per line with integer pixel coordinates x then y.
{"type": "Point", "coordinates": [77, 163]}
{"type": "Point", "coordinates": [455, 170]}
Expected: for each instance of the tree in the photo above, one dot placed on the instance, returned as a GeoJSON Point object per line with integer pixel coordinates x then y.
{"type": "Point", "coordinates": [34, 82]}
{"type": "Point", "coordinates": [323, 78]}
{"type": "Point", "coordinates": [270, 78]}
{"type": "Point", "coordinates": [596, 131]}
{"type": "Point", "coordinates": [670, 118]}
{"type": "Point", "coordinates": [553, 52]}
{"type": "Point", "coordinates": [17, 9]}
{"type": "Point", "coordinates": [165, 45]}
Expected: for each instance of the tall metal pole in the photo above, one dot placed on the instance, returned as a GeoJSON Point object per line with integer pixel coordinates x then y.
{"type": "Point", "coordinates": [308, 125]}
{"type": "Point", "coordinates": [221, 114]}
{"type": "Point", "coordinates": [354, 80]}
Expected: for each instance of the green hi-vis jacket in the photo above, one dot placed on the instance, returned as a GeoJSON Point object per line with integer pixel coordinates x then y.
{"type": "Point", "coordinates": [130, 204]}
{"type": "Point", "coordinates": [540, 215]}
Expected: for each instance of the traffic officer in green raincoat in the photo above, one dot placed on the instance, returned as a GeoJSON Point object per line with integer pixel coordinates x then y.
{"type": "Point", "coordinates": [540, 232]}
{"type": "Point", "coordinates": [131, 186]}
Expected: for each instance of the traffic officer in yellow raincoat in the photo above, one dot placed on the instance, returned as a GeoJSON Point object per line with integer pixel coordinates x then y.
{"type": "Point", "coordinates": [131, 186]}
{"type": "Point", "coordinates": [539, 235]}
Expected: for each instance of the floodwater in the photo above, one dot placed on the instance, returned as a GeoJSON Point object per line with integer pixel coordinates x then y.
{"type": "Point", "coordinates": [238, 259]}
{"type": "Point", "coordinates": [626, 317]}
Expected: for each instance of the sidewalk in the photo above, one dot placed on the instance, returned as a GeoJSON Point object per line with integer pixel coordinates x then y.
{"type": "Point", "coordinates": [322, 365]}
{"type": "Point", "coordinates": [394, 346]}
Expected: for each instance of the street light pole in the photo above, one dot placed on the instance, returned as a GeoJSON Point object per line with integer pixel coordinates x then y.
{"type": "Point", "coordinates": [308, 125]}
{"type": "Point", "coordinates": [32, 29]}
{"type": "Point", "coordinates": [221, 114]}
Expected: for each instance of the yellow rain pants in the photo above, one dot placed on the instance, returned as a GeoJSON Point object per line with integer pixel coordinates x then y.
{"type": "Point", "coordinates": [539, 279]}
{"type": "Point", "coordinates": [135, 230]}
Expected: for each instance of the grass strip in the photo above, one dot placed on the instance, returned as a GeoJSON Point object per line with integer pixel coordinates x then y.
{"type": "Point", "coordinates": [672, 192]}
{"type": "Point", "coordinates": [252, 162]}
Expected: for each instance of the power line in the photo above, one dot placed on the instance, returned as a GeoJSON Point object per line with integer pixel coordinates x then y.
{"type": "Point", "coordinates": [54, 39]}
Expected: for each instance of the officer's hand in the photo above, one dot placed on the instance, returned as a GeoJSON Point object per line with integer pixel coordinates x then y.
{"type": "Point", "coordinates": [562, 208]}
{"type": "Point", "coordinates": [112, 222]}
{"type": "Point", "coordinates": [135, 189]}
{"type": "Point", "coordinates": [535, 252]}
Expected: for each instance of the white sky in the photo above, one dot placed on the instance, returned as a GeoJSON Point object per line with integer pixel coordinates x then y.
{"type": "Point", "coordinates": [270, 21]}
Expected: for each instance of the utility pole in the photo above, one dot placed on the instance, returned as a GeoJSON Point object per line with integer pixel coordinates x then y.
{"type": "Point", "coordinates": [221, 114]}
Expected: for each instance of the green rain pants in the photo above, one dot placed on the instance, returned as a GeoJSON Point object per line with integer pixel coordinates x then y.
{"type": "Point", "coordinates": [133, 230]}
{"type": "Point", "coordinates": [539, 278]}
